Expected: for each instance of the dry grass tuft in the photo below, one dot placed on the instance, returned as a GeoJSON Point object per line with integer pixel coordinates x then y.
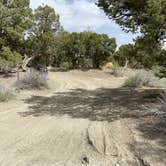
{"type": "Point", "coordinates": [32, 80]}
{"type": "Point", "coordinates": [118, 71]}
{"type": "Point", "coordinates": [142, 79]}
{"type": "Point", "coordinates": [5, 94]}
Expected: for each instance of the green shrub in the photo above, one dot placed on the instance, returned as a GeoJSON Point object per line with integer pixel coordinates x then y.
{"type": "Point", "coordinates": [32, 80]}
{"type": "Point", "coordinates": [8, 59]}
{"type": "Point", "coordinates": [5, 94]}
{"type": "Point", "coordinates": [160, 71]}
{"type": "Point", "coordinates": [142, 79]}
{"type": "Point", "coordinates": [65, 66]}
{"type": "Point", "coordinates": [116, 70]}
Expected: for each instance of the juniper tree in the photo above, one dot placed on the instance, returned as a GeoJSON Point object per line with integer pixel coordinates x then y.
{"type": "Point", "coordinates": [41, 40]}
{"type": "Point", "coordinates": [15, 20]}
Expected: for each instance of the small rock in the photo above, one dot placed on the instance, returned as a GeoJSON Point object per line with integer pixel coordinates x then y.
{"type": "Point", "coordinates": [85, 160]}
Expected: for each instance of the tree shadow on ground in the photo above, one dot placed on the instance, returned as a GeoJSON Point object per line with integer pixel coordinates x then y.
{"type": "Point", "coordinates": [7, 75]}
{"type": "Point", "coordinates": [145, 153]}
{"type": "Point", "coordinates": [97, 105]}
{"type": "Point", "coordinates": [103, 105]}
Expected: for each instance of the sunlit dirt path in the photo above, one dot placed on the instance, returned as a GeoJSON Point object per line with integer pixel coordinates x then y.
{"type": "Point", "coordinates": [85, 118]}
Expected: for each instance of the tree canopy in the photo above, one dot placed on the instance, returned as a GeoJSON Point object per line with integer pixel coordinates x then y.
{"type": "Point", "coordinates": [139, 55]}
{"type": "Point", "coordinates": [15, 20]}
{"type": "Point", "coordinates": [84, 49]}
{"type": "Point", "coordinates": [43, 32]}
{"type": "Point", "coordinates": [146, 16]}
{"type": "Point", "coordinates": [39, 34]}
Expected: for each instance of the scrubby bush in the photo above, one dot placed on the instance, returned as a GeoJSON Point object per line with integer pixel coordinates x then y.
{"type": "Point", "coordinates": [118, 71]}
{"type": "Point", "coordinates": [8, 59]}
{"type": "Point", "coordinates": [5, 94]}
{"type": "Point", "coordinates": [159, 71]}
{"type": "Point", "coordinates": [142, 79]}
{"type": "Point", "coordinates": [65, 66]}
{"type": "Point", "coordinates": [163, 102]}
{"type": "Point", "coordinates": [33, 79]}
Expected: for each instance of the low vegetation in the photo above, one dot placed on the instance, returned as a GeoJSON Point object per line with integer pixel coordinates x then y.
{"type": "Point", "coordinates": [144, 18]}
{"type": "Point", "coordinates": [5, 94]}
{"type": "Point", "coordinates": [118, 71]}
{"type": "Point", "coordinates": [142, 79]}
{"type": "Point", "coordinates": [32, 80]}
{"type": "Point", "coordinates": [163, 102]}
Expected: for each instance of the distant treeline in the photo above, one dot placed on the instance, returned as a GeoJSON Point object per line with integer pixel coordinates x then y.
{"type": "Point", "coordinates": [40, 34]}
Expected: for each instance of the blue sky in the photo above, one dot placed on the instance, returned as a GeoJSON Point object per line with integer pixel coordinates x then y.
{"type": "Point", "coordinates": [78, 15]}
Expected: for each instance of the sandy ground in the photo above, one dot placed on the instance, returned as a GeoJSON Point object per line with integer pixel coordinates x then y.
{"type": "Point", "coordinates": [85, 118]}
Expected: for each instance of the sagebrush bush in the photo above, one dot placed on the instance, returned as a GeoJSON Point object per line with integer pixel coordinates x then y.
{"type": "Point", "coordinates": [142, 79]}
{"type": "Point", "coordinates": [33, 79]}
{"type": "Point", "coordinates": [5, 94]}
{"type": "Point", "coordinates": [118, 71]}
{"type": "Point", "coordinates": [5, 68]}
{"type": "Point", "coordinates": [8, 59]}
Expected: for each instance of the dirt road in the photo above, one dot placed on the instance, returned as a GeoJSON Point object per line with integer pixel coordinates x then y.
{"type": "Point", "coordinates": [85, 118]}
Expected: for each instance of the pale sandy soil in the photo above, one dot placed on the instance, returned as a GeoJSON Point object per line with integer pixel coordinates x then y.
{"type": "Point", "coordinates": [85, 118]}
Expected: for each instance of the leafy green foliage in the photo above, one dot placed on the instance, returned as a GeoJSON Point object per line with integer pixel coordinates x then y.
{"type": "Point", "coordinates": [78, 49]}
{"type": "Point", "coordinates": [15, 19]}
{"type": "Point", "coordinates": [146, 16]}
{"type": "Point", "coordinates": [162, 63]}
{"type": "Point", "coordinates": [41, 35]}
{"type": "Point", "coordinates": [126, 52]}
{"type": "Point", "coordinates": [8, 59]}
{"type": "Point", "coordinates": [5, 94]}
{"type": "Point", "coordinates": [140, 55]}
{"type": "Point", "coordinates": [41, 41]}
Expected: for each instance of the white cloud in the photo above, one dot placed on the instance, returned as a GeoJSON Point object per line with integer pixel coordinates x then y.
{"type": "Point", "coordinates": [77, 15]}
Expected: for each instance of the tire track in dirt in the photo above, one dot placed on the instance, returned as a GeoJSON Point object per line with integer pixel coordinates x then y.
{"type": "Point", "coordinates": [53, 140]}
